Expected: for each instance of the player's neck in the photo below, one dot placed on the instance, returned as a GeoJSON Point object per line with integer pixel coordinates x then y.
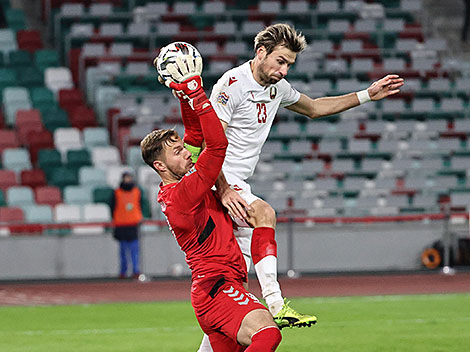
{"type": "Point", "coordinates": [254, 72]}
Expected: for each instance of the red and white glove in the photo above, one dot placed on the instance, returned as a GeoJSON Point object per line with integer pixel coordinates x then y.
{"type": "Point", "coordinates": [191, 90]}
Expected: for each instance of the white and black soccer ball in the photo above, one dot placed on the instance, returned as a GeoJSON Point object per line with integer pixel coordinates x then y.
{"type": "Point", "coordinates": [169, 53]}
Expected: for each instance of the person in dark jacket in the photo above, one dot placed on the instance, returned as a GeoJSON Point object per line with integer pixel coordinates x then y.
{"type": "Point", "coordinates": [126, 206]}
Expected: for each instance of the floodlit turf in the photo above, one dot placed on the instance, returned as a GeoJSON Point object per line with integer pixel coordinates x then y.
{"type": "Point", "coordinates": [424, 323]}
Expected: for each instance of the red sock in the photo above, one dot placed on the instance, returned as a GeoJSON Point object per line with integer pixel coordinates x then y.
{"type": "Point", "coordinates": [263, 243]}
{"type": "Point", "coordinates": [265, 340]}
{"type": "Point", "coordinates": [192, 127]}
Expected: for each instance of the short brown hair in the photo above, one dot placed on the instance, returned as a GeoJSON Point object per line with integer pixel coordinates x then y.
{"type": "Point", "coordinates": [152, 144]}
{"type": "Point", "coordinates": [280, 34]}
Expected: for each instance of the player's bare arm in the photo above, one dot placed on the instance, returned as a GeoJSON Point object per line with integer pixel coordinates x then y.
{"type": "Point", "coordinates": [313, 108]}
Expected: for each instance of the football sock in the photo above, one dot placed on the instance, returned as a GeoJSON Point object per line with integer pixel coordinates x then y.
{"type": "Point", "coordinates": [264, 255]}
{"type": "Point", "coordinates": [265, 340]}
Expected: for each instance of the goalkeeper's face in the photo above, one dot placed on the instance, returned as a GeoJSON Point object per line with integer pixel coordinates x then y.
{"type": "Point", "coordinates": [273, 67]}
{"type": "Point", "coordinates": [176, 160]}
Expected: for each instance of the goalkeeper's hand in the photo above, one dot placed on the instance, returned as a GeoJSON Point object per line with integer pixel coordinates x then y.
{"type": "Point", "coordinates": [191, 90]}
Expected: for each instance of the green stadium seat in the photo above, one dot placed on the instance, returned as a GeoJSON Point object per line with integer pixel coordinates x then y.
{"type": "Point", "coordinates": [2, 199]}
{"type": "Point", "coordinates": [63, 176]}
{"type": "Point", "coordinates": [20, 59]}
{"type": "Point", "coordinates": [43, 98]}
{"type": "Point", "coordinates": [31, 77]}
{"type": "Point", "coordinates": [15, 19]}
{"type": "Point", "coordinates": [103, 194]}
{"type": "Point", "coordinates": [78, 158]}
{"type": "Point", "coordinates": [45, 58]}
{"type": "Point", "coordinates": [49, 159]}
{"type": "Point", "coordinates": [55, 118]}
{"type": "Point", "coordinates": [8, 78]}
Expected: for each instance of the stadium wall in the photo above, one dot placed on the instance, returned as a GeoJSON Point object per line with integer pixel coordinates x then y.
{"type": "Point", "coordinates": [318, 248]}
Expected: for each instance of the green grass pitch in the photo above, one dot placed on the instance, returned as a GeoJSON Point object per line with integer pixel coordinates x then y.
{"type": "Point", "coordinates": [424, 323]}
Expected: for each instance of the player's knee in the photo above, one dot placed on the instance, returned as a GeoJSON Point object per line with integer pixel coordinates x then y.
{"type": "Point", "coordinates": [263, 214]}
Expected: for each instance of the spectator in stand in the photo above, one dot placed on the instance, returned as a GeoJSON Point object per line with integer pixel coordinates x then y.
{"type": "Point", "coordinates": [126, 206]}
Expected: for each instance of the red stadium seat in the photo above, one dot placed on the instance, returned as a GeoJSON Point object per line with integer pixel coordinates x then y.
{"type": "Point", "coordinates": [49, 195]}
{"type": "Point", "coordinates": [33, 178]}
{"type": "Point", "coordinates": [39, 140]}
{"type": "Point", "coordinates": [29, 40]}
{"type": "Point", "coordinates": [8, 139]}
{"type": "Point", "coordinates": [11, 215]}
{"type": "Point", "coordinates": [70, 98]}
{"type": "Point", "coordinates": [82, 116]}
{"type": "Point", "coordinates": [24, 117]}
{"type": "Point", "coordinates": [7, 179]}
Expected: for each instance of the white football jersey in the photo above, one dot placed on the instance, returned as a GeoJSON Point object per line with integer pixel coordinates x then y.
{"type": "Point", "coordinates": [249, 110]}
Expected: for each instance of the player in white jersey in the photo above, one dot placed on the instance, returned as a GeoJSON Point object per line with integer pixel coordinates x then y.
{"type": "Point", "coordinates": [246, 99]}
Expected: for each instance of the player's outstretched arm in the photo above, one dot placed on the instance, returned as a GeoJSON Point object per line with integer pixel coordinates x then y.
{"type": "Point", "coordinates": [313, 108]}
{"type": "Point", "coordinates": [209, 163]}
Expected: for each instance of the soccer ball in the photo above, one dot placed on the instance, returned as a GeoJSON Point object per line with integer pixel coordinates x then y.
{"type": "Point", "coordinates": [169, 53]}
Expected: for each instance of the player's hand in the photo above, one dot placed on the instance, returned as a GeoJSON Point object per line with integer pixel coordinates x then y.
{"type": "Point", "coordinates": [384, 87]}
{"type": "Point", "coordinates": [236, 205]}
{"type": "Point", "coordinates": [185, 67]}
{"type": "Point", "coordinates": [191, 90]}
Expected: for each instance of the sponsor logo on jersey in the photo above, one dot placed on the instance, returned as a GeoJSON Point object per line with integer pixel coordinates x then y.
{"type": "Point", "coordinates": [272, 92]}
{"type": "Point", "coordinates": [231, 81]}
{"type": "Point", "coordinates": [222, 98]}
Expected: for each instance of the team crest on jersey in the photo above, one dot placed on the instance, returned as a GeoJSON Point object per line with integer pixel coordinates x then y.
{"type": "Point", "coordinates": [191, 171]}
{"type": "Point", "coordinates": [272, 92]}
{"type": "Point", "coordinates": [222, 98]}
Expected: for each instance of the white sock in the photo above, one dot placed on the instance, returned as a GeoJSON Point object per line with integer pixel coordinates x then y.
{"type": "Point", "coordinates": [205, 345]}
{"type": "Point", "coordinates": [266, 270]}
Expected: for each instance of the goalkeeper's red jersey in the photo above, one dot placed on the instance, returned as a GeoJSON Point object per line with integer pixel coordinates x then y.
{"type": "Point", "coordinates": [197, 219]}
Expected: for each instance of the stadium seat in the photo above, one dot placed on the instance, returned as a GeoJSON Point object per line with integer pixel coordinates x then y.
{"type": "Point", "coordinates": [103, 194]}
{"type": "Point", "coordinates": [63, 176]}
{"type": "Point", "coordinates": [49, 195]}
{"type": "Point", "coordinates": [7, 179]}
{"type": "Point", "coordinates": [57, 78]}
{"type": "Point", "coordinates": [77, 158]}
{"type": "Point", "coordinates": [16, 159]}
{"type": "Point", "coordinates": [19, 59]}
{"type": "Point", "coordinates": [8, 139]}
{"type": "Point", "coordinates": [96, 212]}
{"type": "Point", "coordinates": [67, 138]}
{"type": "Point", "coordinates": [49, 159]}
{"type": "Point", "coordinates": [33, 178]}
{"type": "Point", "coordinates": [64, 213]}
{"type": "Point", "coordinates": [82, 116]}
{"type": "Point", "coordinates": [77, 194]}
{"type": "Point", "coordinates": [70, 98]}
{"type": "Point", "coordinates": [38, 140]}
{"type": "Point", "coordinates": [92, 176]}
{"type": "Point", "coordinates": [104, 157]}
{"type": "Point", "coordinates": [11, 215]}
{"type": "Point", "coordinates": [29, 40]}
{"type": "Point", "coordinates": [20, 196]}
{"type": "Point", "coordinates": [41, 213]}
{"type": "Point", "coordinates": [95, 136]}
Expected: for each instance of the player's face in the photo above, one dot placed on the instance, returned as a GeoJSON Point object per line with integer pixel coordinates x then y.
{"type": "Point", "coordinates": [274, 67]}
{"type": "Point", "coordinates": [177, 159]}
